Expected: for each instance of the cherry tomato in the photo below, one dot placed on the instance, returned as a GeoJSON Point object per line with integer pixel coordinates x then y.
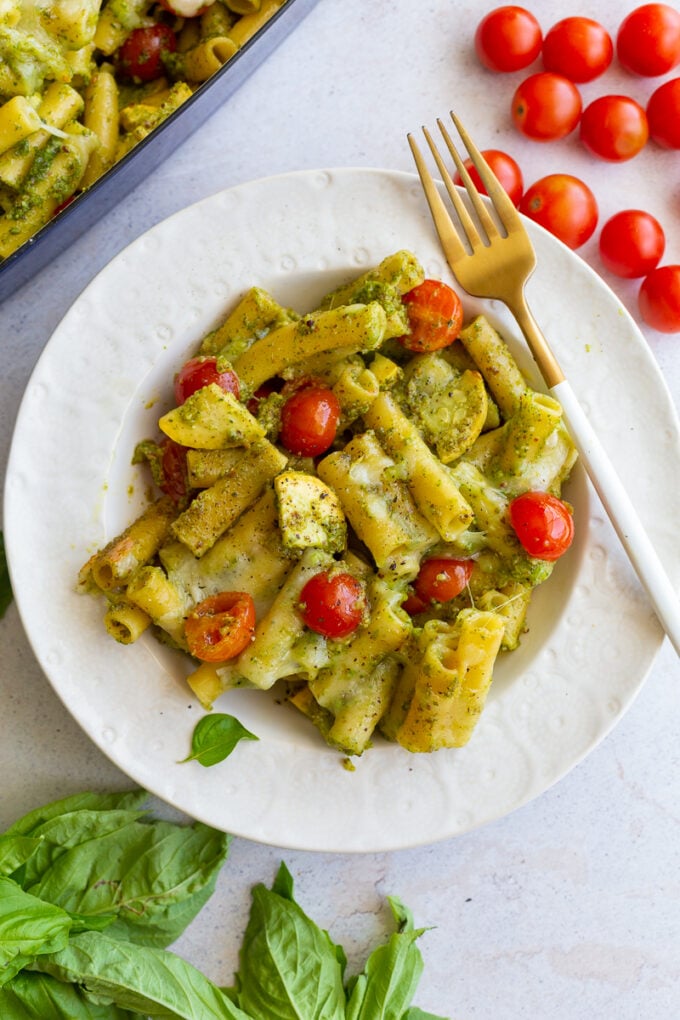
{"type": "Point", "coordinates": [265, 390]}
{"type": "Point", "coordinates": [309, 420]}
{"type": "Point", "coordinates": [508, 39]}
{"type": "Point", "coordinates": [174, 481]}
{"type": "Point", "coordinates": [564, 205]}
{"type": "Point", "coordinates": [221, 626]}
{"type": "Point", "coordinates": [663, 114]}
{"type": "Point", "coordinates": [199, 372]}
{"type": "Point", "coordinates": [659, 299]}
{"type": "Point", "coordinates": [504, 168]}
{"type": "Point", "coordinates": [546, 106]}
{"type": "Point", "coordinates": [631, 243]}
{"type": "Point", "coordinates": [140, 56]}
{"type": "Point", "coordinates": [579, 48]}
{"type": "Point", "coordinates": [435, 315]}
{"type": "Point", "coordinates": [648, 40]}
{"type": "Point", "coordinates": [441, 579]}
{"type": "Point", "coordinates": [332, 604]}
{"type": "Point", "coordinates": [543, 524]}
{"type": "Point", "coordinates": [614, 128]}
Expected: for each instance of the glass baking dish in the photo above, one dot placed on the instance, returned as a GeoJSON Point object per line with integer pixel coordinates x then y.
{"type": "Point", "coordinates": [52, 239]}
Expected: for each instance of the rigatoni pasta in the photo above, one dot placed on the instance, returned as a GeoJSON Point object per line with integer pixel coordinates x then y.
{"type": "Point", "coordinates": [383, 568]}
{"type": "Point", "coordinates": [73, 101]}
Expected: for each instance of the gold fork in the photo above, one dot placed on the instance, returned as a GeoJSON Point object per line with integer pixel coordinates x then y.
{"type": "Point", "coordinates": [495, 262]}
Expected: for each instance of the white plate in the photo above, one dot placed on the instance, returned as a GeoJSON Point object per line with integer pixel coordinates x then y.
{"type": "Point", "coordinates": [70, 488]}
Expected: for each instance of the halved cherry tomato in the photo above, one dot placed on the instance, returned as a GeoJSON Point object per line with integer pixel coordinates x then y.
{"type": "Point", "coordinates": [648, 40]}
{"type": "Point", "coordinates": [504, 168]}
{"type": "Point", "coordinates": [546, 106]}
{"type": "Point", "coordinates": [221, 626]}
{"type": "Point", "coordinates": [659, 299]}
{"type": "Point", "coordinates": [309, 420]}
{"type": "Point", "coordinates": [140, 56]}
{"type": "Point", "coordinates": [174, 470]}
{"type": "Point", "coordinates": [631, 243]}
{"type": "Point", "coordinates": [508, 39]}
{"type": "Point", "coordinates": [663, 114]}
{"type": "Point", "coordinates": [332, 604]}
{"type": "Point", "coordinates": [543, 524]}
{"type": "Point", "coordinates": [435, 315]}
{"type": "Point", "coordinates": [199, 372]}
{"type": "Point", "coordinates": [440, 579]}
{"type": "Point", "coordinates": [614, 128]}
{"type": "Point", "coordinates": [579, 48]}
{"type": "Point", "coordinates": [564, 205]}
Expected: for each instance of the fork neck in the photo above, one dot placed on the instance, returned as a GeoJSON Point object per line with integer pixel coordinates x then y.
{"type": "Point", "coordinates": [538, 345]}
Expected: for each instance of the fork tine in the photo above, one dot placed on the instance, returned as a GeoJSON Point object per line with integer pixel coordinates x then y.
{"type": "Point", "coordinates": [485, 219]}
{"type": "Point", "coordinates": [445, 228]}
{"type": "Point", "coordinates": [466, 222]}
{"type": "Point", "coordinates": [507, 213]}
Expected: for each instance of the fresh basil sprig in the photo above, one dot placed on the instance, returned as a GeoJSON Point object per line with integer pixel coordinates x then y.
{"type": "Point", "coordinates": [92, 890]}
{"type": "Point", "coordinates": [214, 738]}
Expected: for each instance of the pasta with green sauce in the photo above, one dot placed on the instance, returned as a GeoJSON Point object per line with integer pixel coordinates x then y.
{"type": "Point", "coordinates": [79, 89]}
{"type": "Point", "coordinates": [372, 569]}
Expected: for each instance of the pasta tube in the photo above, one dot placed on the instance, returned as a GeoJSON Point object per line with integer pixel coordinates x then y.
{"type": "Point", "coordinates": [139, 543]}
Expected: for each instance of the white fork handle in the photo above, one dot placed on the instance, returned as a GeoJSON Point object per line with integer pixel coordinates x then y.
{"type": "Point", "coordinates": [621, 513]}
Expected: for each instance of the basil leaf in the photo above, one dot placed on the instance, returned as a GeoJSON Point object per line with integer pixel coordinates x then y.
{"type": "Point", "coordinates": [5, 586]}
{"type": "Point", "coordinates": [289, 967]}
{"type": "Point", "coordinates": [389, 980]}
{"type": "Point", "coordinates": [27, 927]}
{"type": "Point", "coordinates": [15, 851]}
{"type": "Point", "coordinates": [88, 801]}
{"type": "Point", "coordinates": [215, 737]}
{"type": "Point", "coordinates": [154, 876]}
{"type": "Point", "coordinates": [29, 996]}
{"type": "Point", "coordinates": [150, 981]}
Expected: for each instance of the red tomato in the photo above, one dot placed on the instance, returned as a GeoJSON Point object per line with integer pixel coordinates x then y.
{"type": "Point", "coordinates": [663, 114]}
{"type": "Point", "coordinates": [174, 481]}
{"type": "Point", "coordinates": [659, 299]}
{"type": "Point", "coordinates": [564, 205]}
{"type": "Point", "coordinates": [579, 48]}
{"type": "Point", "coordinates": [546, 106]}
{"type": "Point", "coordinates": [508, 39]}
{"type": "Point", "coordinates": [648, 40]}
{"type": "Point", "coordinates": [543, 524]}
{"type": "Point", "coordinates": [614, 128]}
{"type": "Point", "coordinates": [140, 56]}
{"type": "Point", "coordinates": [265, 390]}
{"type": "Point", "coordinates": [504, 168]}
{"type": "Point", "coordinates": [309, 420]}
{"type": "Point", "coordinates": [199, 372]}
{"type": "Point", "coordinates": [332, 604]}
{"type": "Point", "coordinates": [221, 626]}
{"type": "Point", "coordinates": [435, 315]}
{"type": "Point", "coordinates": [441, 579]}
{"type": "Point", "coordinates": [631, 243]}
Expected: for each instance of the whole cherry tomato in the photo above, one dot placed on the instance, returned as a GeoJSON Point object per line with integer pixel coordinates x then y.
{"type": "Point", "coordinates": [440, 579]}
{"type": "Point", "coordinates": [221, 626]}
{"type": "Point", "coordinates": [579, 48]}
{"type": "Point", "coordinates": [631, 243]}
{"type": "Point", "coordinates": [564, 205]}
{"type": "Point", "coordinates": [174, 481]}
{"type": "Point", "coordinates": [504, 168]}
{"type": "Point", "coordinates": [659, 299]}
{"type": "Point", "coordinates": [435, 315]}
{"type": "Point", "coordinates": [140, 56]}
{"type": "Point", "coordinates": [648, 40]}
{"type": "Point", "coordinates": [614, 128]}
{"type": "Point", "coordinates": [663, 114]}
{"type": "Point", "coordinates": [542, 523]}
{"type": "Point", "coordinates": [332, 604]}
{"type": "Point", "coordinates": [508, 39]}
{"type": "Point", "coordinates": [546, 106]}
{"type": "Point", "coordinates": [199, 372]}
{"type": "Point", "coordinates": [309, 420]}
